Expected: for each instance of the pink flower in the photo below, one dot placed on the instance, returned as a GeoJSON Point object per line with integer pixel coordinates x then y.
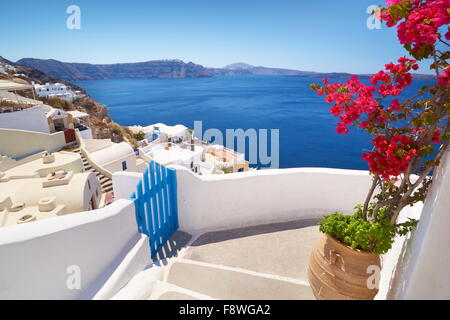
{"type": "Point", "coordinates": [392, 2]}
{"type": "Point", "coordinates": [341, 128]}
{"type": "Point", "coordinates": [364, 124]}
{"type": "Point", "coordinates": [436, 137]}
{"type": "Point", "coordinates": [421, 26]}
{"type": "Point", "coordinates": [395, 106]}
{"type": "Point", "coordinates": [444, 78]}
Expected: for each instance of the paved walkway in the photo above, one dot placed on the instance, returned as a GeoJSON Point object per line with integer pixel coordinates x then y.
{"type": "Point", "coordinates": [280, 249]}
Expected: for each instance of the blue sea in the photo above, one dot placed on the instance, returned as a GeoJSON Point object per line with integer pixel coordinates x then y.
{"type": "Point", "coordinates": [307, 136]}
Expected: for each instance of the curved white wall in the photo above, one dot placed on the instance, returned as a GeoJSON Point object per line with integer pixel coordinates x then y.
{"type": "Point", "coordinates": [215, 202]}
{"type": "Point", "coordinates": [258, 197]}
{"type": "Point", "coordinates": [22, 143]}
{"type": "Point", "coordinates": [35, 256]}
{"type": "Point", "coordinates": [422, 271]}
{"type": "Point", "coordinates": [31, 119]}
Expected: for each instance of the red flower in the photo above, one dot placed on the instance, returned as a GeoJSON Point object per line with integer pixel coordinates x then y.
{"type": "Point", "coordinates": [436, 137]}
{"type": "Point", "coordinates": [395, 106]}
{"type": "Point", "coordinates": [341, 128]}
{"type": "Point", "coordinates": [444, 78]}
{"type": "Point", "coordinates": [421, 26]}
{"type": "Point", "coordinates": [391, 156]}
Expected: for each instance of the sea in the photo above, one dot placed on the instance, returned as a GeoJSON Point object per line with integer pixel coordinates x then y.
{"type": "Point", "coordinates": [306, 136]}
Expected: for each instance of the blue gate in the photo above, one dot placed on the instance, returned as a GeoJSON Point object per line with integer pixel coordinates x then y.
{"type": "Point", "coordinates": [155, 201]}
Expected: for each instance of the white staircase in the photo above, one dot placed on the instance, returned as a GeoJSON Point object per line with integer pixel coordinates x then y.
{"type": "Point", "coordinates": [187, 279]}
{"type": "Point", "coordinates": [105, 182]}
{"type": "Point", "coordinates": [267, 262]}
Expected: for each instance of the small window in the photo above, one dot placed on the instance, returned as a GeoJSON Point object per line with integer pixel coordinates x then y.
{"type": "Point", "coordinates": [124, 165]}
{"type": "Point", "coordinates": [241, 170]}
{"type": "Point", "coordinates": [89, 185]}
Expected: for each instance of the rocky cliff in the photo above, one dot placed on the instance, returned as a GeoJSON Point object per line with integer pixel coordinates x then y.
{"type": "Point", "coordinates": [101, 123]}
{"type": "Point", "coordinates": [149, 69]}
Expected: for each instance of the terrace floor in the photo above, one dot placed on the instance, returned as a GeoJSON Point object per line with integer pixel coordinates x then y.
{"type": "Point", "coordinates": [281, 249]}
{"type": "Point", "coordinates": [259, 262]}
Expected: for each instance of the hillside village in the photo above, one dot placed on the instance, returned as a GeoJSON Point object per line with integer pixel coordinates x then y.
{"type": "Point", "coordinates": [102, 125]}
{"type": "Point", "coordinates": [64, 141]}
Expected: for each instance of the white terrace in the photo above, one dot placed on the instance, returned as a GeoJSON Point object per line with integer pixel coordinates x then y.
{"type": "Point", "coordinates": [241, 236]}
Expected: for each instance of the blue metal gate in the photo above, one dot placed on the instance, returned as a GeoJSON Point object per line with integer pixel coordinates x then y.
{"type": "Point", "coordinates": [155, 201]}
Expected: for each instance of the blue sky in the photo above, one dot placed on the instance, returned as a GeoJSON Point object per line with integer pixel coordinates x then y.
{"type": "Point", "coordinates": [317, 35]}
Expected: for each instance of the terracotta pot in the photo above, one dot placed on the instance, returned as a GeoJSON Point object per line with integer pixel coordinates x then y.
{"type": "Point", "coordinates": [338, 272]}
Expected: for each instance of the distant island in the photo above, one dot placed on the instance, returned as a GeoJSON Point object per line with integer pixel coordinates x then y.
{"type": "Point", "coordinates": [164, 69]}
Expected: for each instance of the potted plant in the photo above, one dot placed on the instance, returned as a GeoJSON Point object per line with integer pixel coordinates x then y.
{"type": "Point", "coordinates": [409, 139]}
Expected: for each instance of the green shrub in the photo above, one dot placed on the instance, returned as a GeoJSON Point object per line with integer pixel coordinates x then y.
{"type": "Point", "coordinates": [58, 103]}
{"type": "Point", "coordinates": [115, 128]}
{"type": "Point", "coordinates": [139, 136]}
{"type": "Point", "coordinates": [359, 233]}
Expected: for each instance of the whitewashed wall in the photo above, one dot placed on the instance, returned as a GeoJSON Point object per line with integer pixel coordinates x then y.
{"type": "Point", "coordinates": [232, 200]}
{"type": "Point", "coordinates": [423, 268]}
{"type": "Point", "coordinates": [22, 143]}
{"type": "Point", "coordinates": [86, 134]}
{"type": "Point", "coordinates": [107, 157]}
{"type": "Point", "coordinates": [125, 183]}
{"type": "Point", "coordinates": [116, 165]}
{"type": "Point", "coordinates": [35, 256]}
{"type": "Point", "coordinates": [31, 119]}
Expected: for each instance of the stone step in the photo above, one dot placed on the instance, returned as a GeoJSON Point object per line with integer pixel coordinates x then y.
{"type": "Point", "coordinates": [107, 184]}
{"type": "Point", "coordinates": [234, 283]}
{"type": "Point", "coordinates": [167, 291]}
{"type": "Point", "coordinates": [105, 190]}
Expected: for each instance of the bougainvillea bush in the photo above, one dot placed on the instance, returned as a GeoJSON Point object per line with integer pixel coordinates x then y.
{"type": "Point", "coordinates": [409, 137]}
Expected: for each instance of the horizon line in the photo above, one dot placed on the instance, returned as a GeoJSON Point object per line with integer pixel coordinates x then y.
{"type": "Point", "coordinates": [209, 67]}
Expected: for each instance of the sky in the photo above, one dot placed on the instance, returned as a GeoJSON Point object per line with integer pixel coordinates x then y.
{"type": "Point", "coordinates": [318, 35]}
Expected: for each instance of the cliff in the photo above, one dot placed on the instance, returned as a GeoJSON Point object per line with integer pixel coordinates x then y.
{"type": "Point", "coordinates": [162, 69]}
{"type": "Point", "coordinates": [102, 125]}
{"type": "Point", "coordinates": [149, 69]}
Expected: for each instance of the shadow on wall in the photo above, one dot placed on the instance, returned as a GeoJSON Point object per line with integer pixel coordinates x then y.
{"type": "Point", "coordinates": [219, 236]}
{"type": "Point", "coordinates": [177, 241]}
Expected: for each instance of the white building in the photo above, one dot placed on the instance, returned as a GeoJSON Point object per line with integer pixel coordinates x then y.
{"type": "Point", "coordinates": [167, 153]}
{"type": "Point", "coordinates": [169, 145]}
{"type": "Point", "coordinates": [219, 159]}
{"type": "Point", "coordinates": [44, 186]}
{"type": "Point", "coordinates": [4, 67]}
{"type": "Point", "coordinates": [20, 113]}
{"type": "Point", "coordinates": [176, 133]}
{"type": "Point", "coordinates": [81, 123]}
{"type": "Point", "coordinates": [58, 90]}
{"type": "Point", "coordinates": [109, 157]}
